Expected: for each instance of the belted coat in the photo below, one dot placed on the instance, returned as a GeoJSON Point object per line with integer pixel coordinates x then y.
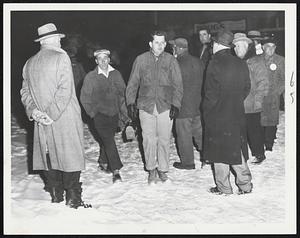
{"type": "Point", "coordinates": [48, 86]}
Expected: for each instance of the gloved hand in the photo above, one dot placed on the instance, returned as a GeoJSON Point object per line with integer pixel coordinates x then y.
{"type": "Point", "coordinates": [132, 111]}
{"type": "Point", "coordinates": [174, 111]}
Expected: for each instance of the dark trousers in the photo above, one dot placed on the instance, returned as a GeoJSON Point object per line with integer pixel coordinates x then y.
{"type": "Point", "coordinates": [255, 134]}
{"type": "Point", "coordinates": [106, 127]}
{"type": "Point", "coordinates": [61, 179]}
{"type": "Point", "coordinates": [269, 136]}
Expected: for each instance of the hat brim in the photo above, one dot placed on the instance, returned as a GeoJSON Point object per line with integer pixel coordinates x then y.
{"type": "Point", "coordinates": [230, 45]}
{"type": "Point", "coordinates": [44, 37]}
{"type": "Point", "coordinates": [249, 41]}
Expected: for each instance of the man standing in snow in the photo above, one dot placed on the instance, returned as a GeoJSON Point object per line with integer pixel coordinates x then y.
{"type": "Point", "coordinates": [225, 143]}
{"type": "Point", "coordinates": [271, 103]}
{"type": "Point", "coordinates": [188, 123]}
{"type": "Point", "coordinates": [103, 98]}
{"type": "Point", "coordinates": [48, 95]}
{"type": "Point", "coordinates": [253, 102]}
{"type": "Point", "coordinates": [156, 76]}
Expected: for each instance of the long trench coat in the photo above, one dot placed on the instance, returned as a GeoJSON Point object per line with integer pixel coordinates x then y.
{"type": "Point", "coordinates": [227, 85]}
{"type": "Point", "coordinates": [48, 86]}
{"type": "Point", "coordinates": [270, 106]}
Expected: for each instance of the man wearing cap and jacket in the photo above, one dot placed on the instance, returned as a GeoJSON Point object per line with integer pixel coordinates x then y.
{"type": "Point", "coordinates": [271, 103]}
{"type": "Point", "coordinates": [225, 142]}
{"type": "Point", "coordinates": [156, 78]}
{"type": "Point", "coordinates": [49, 97]}
{"type": "Point", "coordinates": [188, 123]}
{"type": "Point", "coordinates": [253, 102]}
{"type": "Point", "coordinates": [103, 98]}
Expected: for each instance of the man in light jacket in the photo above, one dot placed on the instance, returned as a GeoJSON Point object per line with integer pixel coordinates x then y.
{"type": "Point", "coordinates": [48, 95]}
{"type": "Point", "coordinates": [156, 78]}
{"type": "Point", "coordinates": [253, 102]}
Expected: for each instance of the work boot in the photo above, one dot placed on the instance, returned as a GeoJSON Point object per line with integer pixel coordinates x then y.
{"type": "Point", "coordinates": [152, 176]}
{"type": "Point", "coordinates": [179, 165]}
{"type": "Point", "coordinates": [104, 167]}
{"type": "Point", "coordinates": [163, 176]}
{"type": "Point", "coordinates": [73, 198]}
{"type": "Point", "coordinates": [116, 176]}
{"type": "Point", "coordinates": [258, 159]}
{"type": "Point", "coordinates": [57, 194]}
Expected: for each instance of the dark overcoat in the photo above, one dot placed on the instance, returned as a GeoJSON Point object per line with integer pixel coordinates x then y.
{"type": "Point", "coordinates": [227, 85]}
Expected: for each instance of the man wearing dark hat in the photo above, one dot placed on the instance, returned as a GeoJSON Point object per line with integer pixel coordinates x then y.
{"type": "Point", "coordinates": [225, 143]}
{"type": "Point", "coordinates": [49, 97]}
{"type": "Point", "coordinates": [188, 123]}
{"type": "Point", "coordinates": [103, 98]}
{"type": "Point", "coordinates": [271, 103]}
{"type": "Point", "coordinates": [156, 83]}
{"type": "Point", "coordinates": [253, 102]}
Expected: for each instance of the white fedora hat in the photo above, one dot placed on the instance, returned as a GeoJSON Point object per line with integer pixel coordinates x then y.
{"type": "Point", "coordinates": [48, 30]}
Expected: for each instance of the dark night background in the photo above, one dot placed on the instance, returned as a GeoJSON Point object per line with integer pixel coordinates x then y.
{"type": "Point", "coordinates": [126, 32]}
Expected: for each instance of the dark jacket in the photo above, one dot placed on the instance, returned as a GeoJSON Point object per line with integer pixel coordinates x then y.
{"type": "Point", "coordinates": [207, 53]}
{"type": "Point", "coordinates": [101, 94]}
{"type": "Point", "coordinates": [276, 76]}
{"type": "Point", "coordinates": [192, 77]}
{"type": "Point", "coordinates": [156, 82]}
{"type": "Point", "coordinates": [227, 85]}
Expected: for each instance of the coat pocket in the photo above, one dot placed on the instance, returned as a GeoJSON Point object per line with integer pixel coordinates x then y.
{"type": "Point", "coordinates": [164, 76]}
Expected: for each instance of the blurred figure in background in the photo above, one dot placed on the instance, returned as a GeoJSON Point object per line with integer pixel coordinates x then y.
{"type": "Point", "coordinates": [205, 51]}
{"type": "Point", "coordinates": [271, 103]}
{"type": "Point", "coordinates": [78, 70]}
{"type": "Point", "coordinates": [188, 123]}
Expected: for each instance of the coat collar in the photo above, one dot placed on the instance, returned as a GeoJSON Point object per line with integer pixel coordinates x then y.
{"type": "Point", "coordinates": [100, 71]}
{"type": "Point", "coordinates": [223, 52]}
{"type": "Point", "coordinates": [52, 47]}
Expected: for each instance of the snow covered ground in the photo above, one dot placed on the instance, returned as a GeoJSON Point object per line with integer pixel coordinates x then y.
{"type": "Point", "coordinates": [181, 205]}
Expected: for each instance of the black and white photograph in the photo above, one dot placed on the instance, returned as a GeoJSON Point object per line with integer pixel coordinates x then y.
{"type": "Point", "coordinates": [149, 118]}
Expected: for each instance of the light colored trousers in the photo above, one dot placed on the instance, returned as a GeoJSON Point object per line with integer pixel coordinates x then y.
{"type": "Point", "coordinates": [186, 130]}
{"type": "Point", "coordinates": [242, 179]}
{"type": "Point", "coordinates": [156, 131]}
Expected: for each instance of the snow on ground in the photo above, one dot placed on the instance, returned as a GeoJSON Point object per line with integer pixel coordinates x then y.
{"type": "Point", "coordinates": [133, 203]}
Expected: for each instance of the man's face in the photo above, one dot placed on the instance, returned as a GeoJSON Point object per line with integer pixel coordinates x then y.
{"type": "Point", "coordinates": [102, 60]}
{"type": "Point", "coordinates": [158, 44]}
{"type": "Point", "coordinates": [241, 48]}
{"type": "Point", "coordinates": [204, 36]}
{"type": "Point", "coordinates": [269, 49]}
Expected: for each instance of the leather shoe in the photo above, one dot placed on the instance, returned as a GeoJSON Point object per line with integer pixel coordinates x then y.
{"type": "Point", "coordinates": [259, 159]}
{"type": "Point", "coordinates": [179, 165]}
{"type": "Point", "coordinates": [116, 176]}
{"type": "Point", "coordinates": [216, 191]}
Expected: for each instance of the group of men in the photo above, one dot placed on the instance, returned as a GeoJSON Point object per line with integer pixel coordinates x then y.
{"type": "Point", "coordinates": [235, 99]}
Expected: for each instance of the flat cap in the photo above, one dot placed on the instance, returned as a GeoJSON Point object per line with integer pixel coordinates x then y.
{"type": "Point", "coordinates": [180, 42]}
{"type": "Point", "coordinates": [102, 51]}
